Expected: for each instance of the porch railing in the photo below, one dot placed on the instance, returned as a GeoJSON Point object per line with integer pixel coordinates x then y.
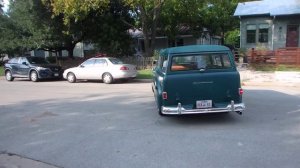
{"type": "Point", "coordinates": [290, 56]}
{"type": "Point", "coordinates": [140, 62]}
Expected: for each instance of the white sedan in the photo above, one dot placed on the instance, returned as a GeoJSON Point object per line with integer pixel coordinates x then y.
{"type": "Point", "coordinates": [107, 69]}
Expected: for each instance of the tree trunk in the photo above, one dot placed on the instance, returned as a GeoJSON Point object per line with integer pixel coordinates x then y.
{"type": "Point", "coordinates": [149, 31]}
{"type": "Point", "coordinates": [145, 30]}
{"type": "Point", "coordinates": [70, 50]}
{"type": "Point", "coordinates": [146, 42]}
{"type": "Point", "coordinates": [222, 35]}
{"type": "Point", "coordinates": [156, 14]}
{"type": "Point", "coordinates": [59, 57]}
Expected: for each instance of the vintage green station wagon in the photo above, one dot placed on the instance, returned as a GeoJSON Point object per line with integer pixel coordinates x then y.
{"type": "Point", "coordinates": [197, 79]}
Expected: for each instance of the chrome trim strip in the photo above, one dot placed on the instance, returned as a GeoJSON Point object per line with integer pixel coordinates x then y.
{"type": "Point", "coordinates": [181, 110]}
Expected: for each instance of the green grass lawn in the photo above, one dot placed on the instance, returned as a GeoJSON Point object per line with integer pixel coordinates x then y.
{"type": "Point", "coordinates": [270, 67]}
{"type": "Point", "coordinates": [145, 74]}
{"type": "Point", "coordinates": [1, 71]}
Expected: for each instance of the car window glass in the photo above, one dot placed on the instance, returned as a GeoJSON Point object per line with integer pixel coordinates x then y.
{"type": "Point", "coordinates": [100, 62]}
{"type": "Point", "coordinates": [201, 62]}
{"type": "Point", "coordinates": [13, 61]}
{"type": "Point", "coordinates": [22, 60]}
{"type": "Point", "coordinates": [88, 63]}
{"type": "Point", "coordinates": [115, 61]}
{"type": "Point", "coordinates": [37, 60]}
{"type": "Point", "coordinates": [163, 63]}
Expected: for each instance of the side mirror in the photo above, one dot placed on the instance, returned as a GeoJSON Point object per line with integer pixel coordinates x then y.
{"type": "Point", "coordinates": [24, 63]}
{"type": "Point", "coordinates": [81, 66]}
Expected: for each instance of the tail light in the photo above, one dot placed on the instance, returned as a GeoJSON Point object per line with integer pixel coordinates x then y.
{"type": "Point", "coordinates": [165, 95]}
{"type": "Point", "coordinates": [124, 68]}
{"type": "Point", "coordinates": [241, 91]}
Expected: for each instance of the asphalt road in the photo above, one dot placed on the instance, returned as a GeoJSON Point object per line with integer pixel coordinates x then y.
{"type": "Point", "coordinates": [94, 125]}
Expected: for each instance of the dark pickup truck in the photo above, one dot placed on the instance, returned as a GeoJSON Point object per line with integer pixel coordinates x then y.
{"type": "Point", "coordinates": [197, 79]}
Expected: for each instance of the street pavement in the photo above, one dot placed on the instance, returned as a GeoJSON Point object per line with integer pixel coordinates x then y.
{"type": "Point", "coordinates": [94, 125]}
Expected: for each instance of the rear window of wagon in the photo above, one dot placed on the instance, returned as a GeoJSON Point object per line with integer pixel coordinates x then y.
{"type": "Point", "coordinates": [206, 61]}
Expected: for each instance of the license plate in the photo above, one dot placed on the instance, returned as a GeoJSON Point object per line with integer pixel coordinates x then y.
{"type": "Point", "coordinates": [204, 104]}
{"type": "Point", "coordinates": [56, 74]}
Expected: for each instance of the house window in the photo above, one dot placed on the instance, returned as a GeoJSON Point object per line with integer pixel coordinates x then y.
{"type": "Point", "coordinates": [263, 35]}
{"type": "Point", "coordinates": [251, 33]}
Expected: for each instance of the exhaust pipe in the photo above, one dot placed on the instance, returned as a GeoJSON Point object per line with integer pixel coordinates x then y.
{"type": "Point", "coordinates": [239, 112]}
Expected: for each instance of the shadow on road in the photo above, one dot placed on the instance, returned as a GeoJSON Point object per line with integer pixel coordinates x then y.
{"type": "Point", "coordinates": [55, 130]}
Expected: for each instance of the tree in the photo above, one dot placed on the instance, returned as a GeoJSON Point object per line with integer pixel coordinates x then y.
{"type": "Point", "coordinates": [111, 35]}
{"type": "Point", "coordinates": [97, 21]}
{"type": "Point", "coordinates": [74, 10]}
{"type": "Point", "coordinates": [147, 14]}
{"type": "Point", "coordinates": [219, 17]}
{"type": "Point", "coordinates": [8, 34]}
{"type": "Point", "coordinates": [33, 26]}
{"type": "Point", "coordinates": [180, 17]}
{"type": "Point", "coordinates": [232, 38]}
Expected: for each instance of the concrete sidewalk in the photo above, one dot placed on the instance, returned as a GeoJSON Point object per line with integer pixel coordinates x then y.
{"type": "Point", "coordinates": [15, 161]}
{"type": "Point", "coordinates": [277, 78]}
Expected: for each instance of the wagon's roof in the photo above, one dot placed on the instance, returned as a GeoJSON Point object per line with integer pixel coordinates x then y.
{"type": "Point", "coordinates": [194, 49]}
{"type": "Point", "coordinates": [268, 7]}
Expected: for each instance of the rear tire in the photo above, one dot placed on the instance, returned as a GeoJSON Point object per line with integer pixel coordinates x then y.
{"type": "Point", "coordinates": [71, 77]}
{"type": "Point", "coordinates": [107, 78]}
{"type": "Point", "coordinates": [9, 76]}
{"type": "Point", "coordinates": [159, 108]}
{"type": "Point", "coordinates": [34, 76]}
{"type": "Point", "coordinates": [159, 111]}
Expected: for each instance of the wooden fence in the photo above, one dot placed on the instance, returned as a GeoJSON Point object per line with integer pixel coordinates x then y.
{"type": "Point", "coordinates": [290, 56]}
{"type": "Point", "coordinates": [140, 62]}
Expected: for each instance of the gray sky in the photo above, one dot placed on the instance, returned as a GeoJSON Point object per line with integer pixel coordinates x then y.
{"type": "Point", "coordinates": [6, 2]}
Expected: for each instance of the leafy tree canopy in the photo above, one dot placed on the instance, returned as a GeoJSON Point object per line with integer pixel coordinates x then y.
{"type": "Point", "coordinates": [76, 9]}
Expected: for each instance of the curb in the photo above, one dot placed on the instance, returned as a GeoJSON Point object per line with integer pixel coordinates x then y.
{"type": "Point", "coordinates": [143, 80]}
{"type": "Point", "coordinates": [269, 84]}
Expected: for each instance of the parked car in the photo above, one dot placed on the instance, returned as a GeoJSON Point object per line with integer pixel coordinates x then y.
{"type": "Point", "coordinates": [197, 79]}
{"type": "Point", "coordinates": [34, 68]}
{"type": "Point", "coordinates": [107, 69]}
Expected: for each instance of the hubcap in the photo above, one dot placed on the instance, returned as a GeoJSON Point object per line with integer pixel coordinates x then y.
{"type": "Point", "coordinates": [107, 78]}
{"type": "Point", "coordinates": [8, 76]}
{"type": "Point", "coordinates": [33, 76]}
{"type": "Point", "coordinates": [71, 78]}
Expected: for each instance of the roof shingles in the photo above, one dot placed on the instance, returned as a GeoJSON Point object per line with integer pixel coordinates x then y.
{"type": "Point", "coordinates": [268, 7]}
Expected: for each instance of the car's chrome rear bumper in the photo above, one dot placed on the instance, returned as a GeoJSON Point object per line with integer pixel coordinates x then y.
{"type": "Point", "coordinates": [181, 110]}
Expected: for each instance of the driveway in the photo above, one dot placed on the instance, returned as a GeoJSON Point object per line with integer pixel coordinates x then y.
{"type": "Point", "coordinates": [94, 125]}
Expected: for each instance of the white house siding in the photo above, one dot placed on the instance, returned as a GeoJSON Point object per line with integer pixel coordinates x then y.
{"type": "Point", "coordinates": [78, 50]}
{"type": "Point", "coordinates": [280, 29]}
{"type": "Point", "coordinates": [277, 30]}
{"type": "Point", "coordinates": [255, 21]}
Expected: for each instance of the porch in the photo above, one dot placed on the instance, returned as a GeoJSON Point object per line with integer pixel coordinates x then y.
{"type": "Point", "coordinates": [287, 56]}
